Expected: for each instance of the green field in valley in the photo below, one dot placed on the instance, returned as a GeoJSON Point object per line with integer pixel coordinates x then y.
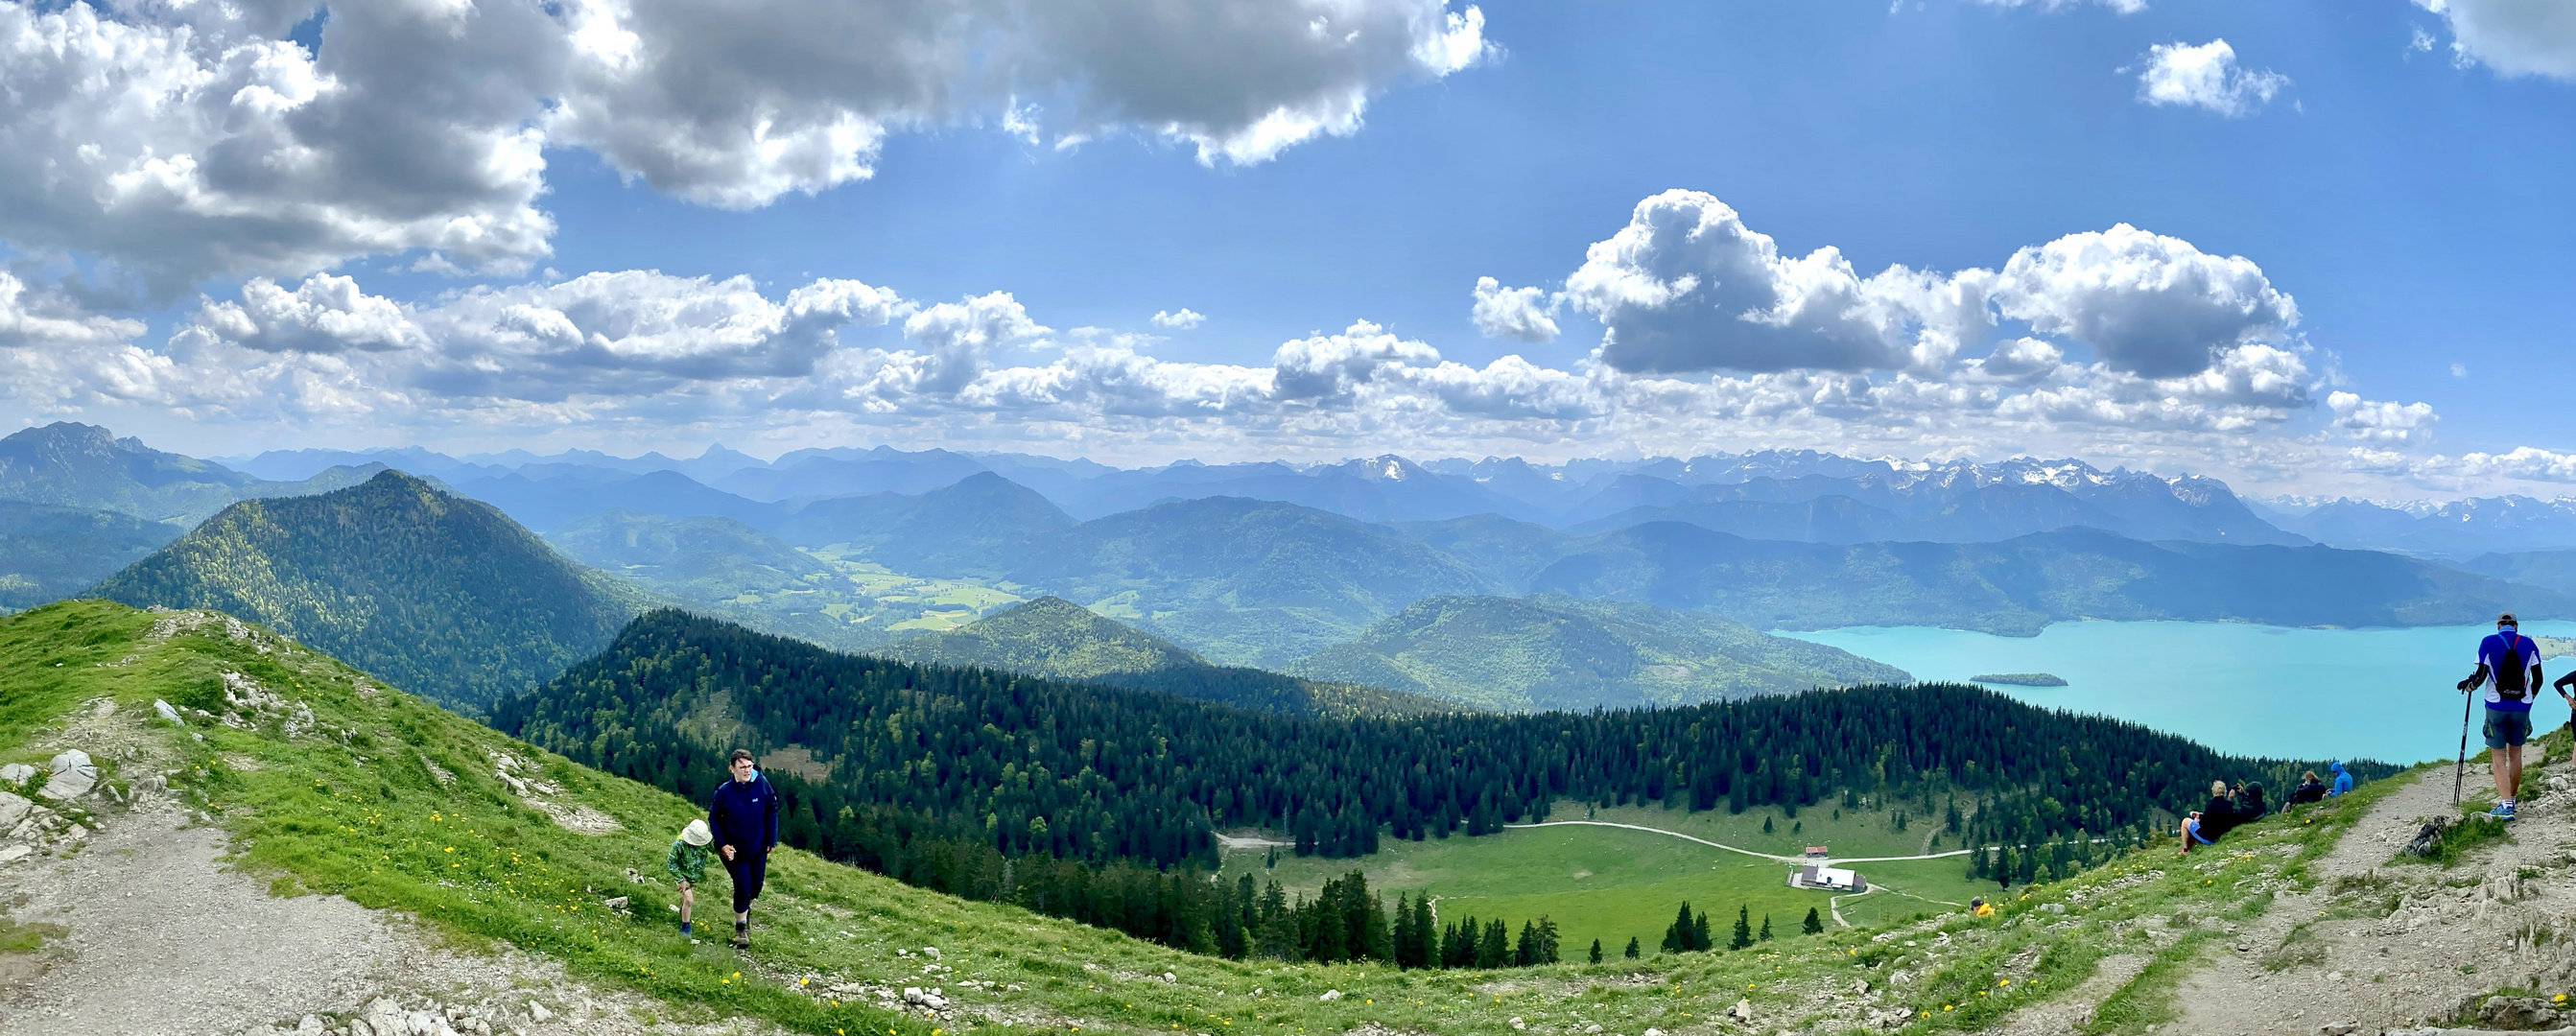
{"type": "Point", "coordinates": [1612, 883]}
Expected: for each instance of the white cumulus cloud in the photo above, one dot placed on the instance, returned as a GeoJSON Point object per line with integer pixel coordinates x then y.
{"type": "Point", "coordinates": [193, 139]}
{"type": "Point", "coordinates": [2514, 37]}
{"type": "Point", "coordinates": [2206, 76]}
{"type": "Point", "coordinates": [733, 105]}
{"type": "Point", "coordinates": [2145, 302]}
{"type": "Point", "coordinates": [1182, 320]}
{"type": "Point", "coordinates": [2379, 420]}
{"type": "Point", "coordinates": [1520, 314]}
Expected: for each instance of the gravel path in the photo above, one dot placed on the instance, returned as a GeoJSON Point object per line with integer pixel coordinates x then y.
{"type": "Point", "coordinates": [2450, 939]}
{"type": "Point", "coordinates": [164, 939]}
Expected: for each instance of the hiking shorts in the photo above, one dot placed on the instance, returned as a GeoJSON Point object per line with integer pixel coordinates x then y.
{"type": "Point", "coordinates": [749, 871]}
{"type": "Point", "coordinates": [2507, 729]}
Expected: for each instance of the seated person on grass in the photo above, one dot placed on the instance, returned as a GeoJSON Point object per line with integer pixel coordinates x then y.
{"type": "Point", "coordinates": [2221, 815]}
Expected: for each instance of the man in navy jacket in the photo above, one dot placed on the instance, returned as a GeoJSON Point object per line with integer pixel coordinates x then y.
{"type": "Point", "coordinates": [744, 817]}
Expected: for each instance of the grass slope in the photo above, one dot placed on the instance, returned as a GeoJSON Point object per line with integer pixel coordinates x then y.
{"type": "Point", "coordinates": [395, 803]}
{"type": "Point", "coordinates": [440, 595]}
{"type": "Point", "coordinates": [1552, 652]}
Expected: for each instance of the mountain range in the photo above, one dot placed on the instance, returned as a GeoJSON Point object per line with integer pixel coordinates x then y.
{"type": "Point", "coordinates": [86, 467]}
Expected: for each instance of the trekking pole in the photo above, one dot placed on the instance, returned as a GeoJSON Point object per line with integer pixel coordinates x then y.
{"type": "Point", "coordinates": [2460, 771]}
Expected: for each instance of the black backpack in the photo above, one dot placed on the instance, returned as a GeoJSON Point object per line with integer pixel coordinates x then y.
{"type": "Point", "coordinates": [2511, 671]}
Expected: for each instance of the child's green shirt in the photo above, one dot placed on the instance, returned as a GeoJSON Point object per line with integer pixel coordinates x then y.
{"type": "Point", "coordinates": [687, 862]}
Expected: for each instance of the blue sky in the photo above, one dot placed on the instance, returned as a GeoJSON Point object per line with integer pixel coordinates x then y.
{"type": "Point", "coordinates": [2398, 169]}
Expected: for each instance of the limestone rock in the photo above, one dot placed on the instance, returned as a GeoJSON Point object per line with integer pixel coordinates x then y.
{"type": "Point", "coordinates": [2519, 1014]}
{"type": "Point", "coordinates": [16, 773]}
{"type": "Point", "coordinates": [13, 808]}
{"type": "Point", "coordinates": [537, 1012]}
{"type": "Point", "coordinates": [1518, 1024]}
{"type": "Point", "coordinates": [1330, 995]}
{"type": "Point", "coordinates": [168, 713]}
{"type": "Point", "coordinates": [73, 776]}
{"type": "Point", "coordinates": [1742, 1011]}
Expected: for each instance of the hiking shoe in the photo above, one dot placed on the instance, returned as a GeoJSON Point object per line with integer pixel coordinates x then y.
{"type": "Point", "coordinates": [2503, 811]}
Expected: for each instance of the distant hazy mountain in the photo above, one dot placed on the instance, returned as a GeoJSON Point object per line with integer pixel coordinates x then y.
{"type": "Point", "coordinates": [543, 497]}
{"type": "Point", "coordinates": [1058, 639]}
{"type": "Point", "coordinates": [88, 467]}
{"type": "Point", "coordinates": [1950, 504]}
{"type": "Point", "coordinates": [1245, 582]}
{"type": "Point", "coordinates": [2020, 585]}
{"type": "Point", "coordinates": [49, 553]}
{"type": "Point", "coordinates": [441, 596]}
{"type": "Point", "coordinates": [1375, 489]}
{"type": "Point", "coordinates": [1542, 653]}
{"type": "Point", "coordinates": [723, 567]}
{"type": "Point", "coordinates": [2459, 529]}
{"type": "Point", "coordinates": [2553, 570]}
{"type": "Point", "coordinates": [971, 526]}
{"type": "Point", "coordinates": [847, 472]}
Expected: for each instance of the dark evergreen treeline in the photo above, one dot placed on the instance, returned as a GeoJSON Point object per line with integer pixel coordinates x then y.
{"type": "Point", "coordinates": [1071, 797]}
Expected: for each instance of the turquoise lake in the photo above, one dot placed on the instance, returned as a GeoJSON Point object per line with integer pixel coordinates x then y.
{"type": "Point", "coordinates": [2244, 689]}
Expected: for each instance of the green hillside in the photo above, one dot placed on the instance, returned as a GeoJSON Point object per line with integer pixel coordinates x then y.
{"type": "Point", "coordinates": [1049, 637]}
{"type": "Point", "coordinates": [437, 594]}
{"type": "Point", "coordinates": [1055, 638]}
{"type": "Point", "coordinates": [49, 553]}
{"type": "Point", "coordinates": [1554, 652]}
{"type": "Point", "coordinates": [402, 806]}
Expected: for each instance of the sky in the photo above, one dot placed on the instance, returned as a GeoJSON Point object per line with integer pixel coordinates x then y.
{"type": "Point", "coordinates": [2313, 247]}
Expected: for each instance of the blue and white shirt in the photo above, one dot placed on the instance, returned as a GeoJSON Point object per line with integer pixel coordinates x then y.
{"type": "Point", "coordinates": [2491, 655]}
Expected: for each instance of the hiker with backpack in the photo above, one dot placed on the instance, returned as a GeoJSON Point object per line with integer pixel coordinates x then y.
{"type": "Point", "coordinates": [2509, 669]}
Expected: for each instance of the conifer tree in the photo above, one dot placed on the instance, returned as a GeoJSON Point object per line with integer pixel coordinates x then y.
{"type": "Point", "coordinates": [1743, 936]}
{"type": "Point", "coordinates": [1814, 924]}
{"type": "Point", "coordinates": [1596, 951]}
{"type": "Point", "coordinates": [1495, 949]}
{"type": "Point", "coordinates": [1632, 948]}
{"type": "Point", "coordinates": [1765, 936]}
{"type": "Point", "coordinates": [1677, 939]}
{"type": "Point", "coordinates": [1526, 952]}
{"type": "Point", "coordinates": [1699, 939]}
{"type": "Point", "coordinates": [1547, 940]}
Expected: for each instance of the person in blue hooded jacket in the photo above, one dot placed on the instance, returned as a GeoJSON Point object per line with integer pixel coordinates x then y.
{"type": "Point", "coordinates": [2342, 780]}
{"type": "Point", "coordinates": [744, 816]}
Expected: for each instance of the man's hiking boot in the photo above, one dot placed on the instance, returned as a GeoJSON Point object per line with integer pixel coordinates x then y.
{"type": "Point", "coordinates": [2503, 811]}
{"type": "Point", "coordinates": [741, 937]}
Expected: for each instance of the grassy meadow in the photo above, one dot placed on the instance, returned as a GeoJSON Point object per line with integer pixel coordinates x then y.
{"type": "Point", "coordinates": [1611, 883]}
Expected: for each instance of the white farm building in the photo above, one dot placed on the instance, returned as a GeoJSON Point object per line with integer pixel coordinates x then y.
{"type": "Point", "coordinates": [1835, 879]}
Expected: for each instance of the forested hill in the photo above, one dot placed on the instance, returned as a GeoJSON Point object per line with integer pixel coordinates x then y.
{"type": "Point", "coordinates": [441, 596]}
{"type": "Point", "coordinates": [927, 761]}
{"type": "Point", "coordinates": [1053, 637]}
